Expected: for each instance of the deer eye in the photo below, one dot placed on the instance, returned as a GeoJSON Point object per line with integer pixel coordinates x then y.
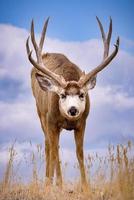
{"type": "Point", "coordinates": [63, 96]}
{"type": "Point", "coordinates": [81, 96]}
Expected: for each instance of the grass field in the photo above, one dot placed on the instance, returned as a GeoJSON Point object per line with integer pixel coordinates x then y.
{"type": "Point", "coordinates": [111, 178]}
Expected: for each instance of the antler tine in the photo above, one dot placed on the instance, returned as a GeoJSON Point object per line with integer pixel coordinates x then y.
{"type": "Point", "coordinates": [27, 46]}
{"type": "Point", "coordinates": [117, 42]}
{"type": "Point", "coordinates": [101, 29]}
{"type": "Point", "coordinates": [109, 31]}
{"type": "Point", "coordinates": [33, 39]}
{"type": "Point", "coordinates": [43, 34]}
{"type": "Point", "coordinates": [106, 40]}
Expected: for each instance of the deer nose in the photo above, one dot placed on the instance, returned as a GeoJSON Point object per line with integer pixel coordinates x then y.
{"type": "Point", "coordinates": [72, 111]}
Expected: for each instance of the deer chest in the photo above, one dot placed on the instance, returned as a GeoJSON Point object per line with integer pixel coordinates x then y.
{"type": "Point", "coordinates": [68, 125]}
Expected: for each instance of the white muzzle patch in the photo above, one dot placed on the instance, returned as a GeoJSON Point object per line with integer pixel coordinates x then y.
{"type": "Point", "coordinates": [72, 106]}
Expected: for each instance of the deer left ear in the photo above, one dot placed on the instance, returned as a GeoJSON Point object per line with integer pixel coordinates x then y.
{"type": "Point", "coordinates": [91, 83]}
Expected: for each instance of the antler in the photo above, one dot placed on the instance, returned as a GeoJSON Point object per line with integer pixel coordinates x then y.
{"type": "Point", "coordinates": [106, 59]}
{"type": "Point", "coordinates": [38, 50]}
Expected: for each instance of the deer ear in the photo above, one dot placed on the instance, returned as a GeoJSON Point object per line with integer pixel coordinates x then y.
{"type": "Point", "coordinates": [46, 83]}
{"type": "Point", "coordinates": [91, 83]}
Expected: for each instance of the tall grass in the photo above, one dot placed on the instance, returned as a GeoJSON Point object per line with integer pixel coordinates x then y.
{"type": "Point", "coordinates": [111, 177]}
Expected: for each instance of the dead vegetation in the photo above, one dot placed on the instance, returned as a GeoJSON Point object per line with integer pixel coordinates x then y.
{"type": "Point", "coordinates": [111, 178]}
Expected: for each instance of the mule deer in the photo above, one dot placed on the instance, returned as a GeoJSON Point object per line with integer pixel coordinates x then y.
{"type": "Point", "coordinates": [61, 89]}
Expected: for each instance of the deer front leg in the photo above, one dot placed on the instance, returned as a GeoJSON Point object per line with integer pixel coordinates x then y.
{"type": "Point", "coordinates": [47, 157]}
{"type": "Point", "coordinates": [54, 163]}
{"type": "Point", "coordinates": [79, 137]}
{"type": "Point", "coordinates": [58, 171]}
{"type": "Point", "coordinates": [44, 128]}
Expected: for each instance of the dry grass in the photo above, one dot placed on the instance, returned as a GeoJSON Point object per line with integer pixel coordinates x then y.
{"type": "Point", "coordinates": [112, 178]}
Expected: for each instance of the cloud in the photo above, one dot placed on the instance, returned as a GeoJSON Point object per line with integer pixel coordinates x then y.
{"type": "Point", "coordinates": [112, 95]}
{"type": "Point", "coordinates": [127, 44]}
{"type": "Point", "coordinates": [19, 120]}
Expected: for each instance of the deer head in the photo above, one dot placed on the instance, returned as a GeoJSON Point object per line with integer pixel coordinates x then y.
{"type": "Point", "coordinates": [72, 94]}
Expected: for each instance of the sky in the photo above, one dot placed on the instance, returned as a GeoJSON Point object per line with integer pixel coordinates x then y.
{"type": "Point", "coordinates": [72, 31]}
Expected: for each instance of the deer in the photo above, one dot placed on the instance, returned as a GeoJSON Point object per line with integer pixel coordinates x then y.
{"type": "Point", "coordinates": [60, 89]}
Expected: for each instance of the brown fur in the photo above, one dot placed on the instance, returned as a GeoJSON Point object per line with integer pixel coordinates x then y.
{"type": "Point", "coordinates": [52, 121]}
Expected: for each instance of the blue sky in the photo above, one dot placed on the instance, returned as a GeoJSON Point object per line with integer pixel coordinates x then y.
{"type": "Point", "coordinates": [67, 16]}
{"type": "Point", "coordinates": [73, 31]}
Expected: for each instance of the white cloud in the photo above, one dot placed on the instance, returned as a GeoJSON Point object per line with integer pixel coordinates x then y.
{"type": "Point", "coordinates": [19, 119]}
{"type": "Point", "coordinates": [13, 61]}
{"type": "Point", "coordinates": [85, 54]}
{"type": "Point", "coordinates": [15, 112]}
{"type": "Point", "coordinates": [129, 44]}
{"type": "Point", "coordinates": [112, 96]}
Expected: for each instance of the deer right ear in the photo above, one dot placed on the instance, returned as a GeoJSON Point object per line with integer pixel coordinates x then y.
{"type": "Point", "coordinates": [91, 83]}
{"type": "Point", "coordinates": [46, 83]}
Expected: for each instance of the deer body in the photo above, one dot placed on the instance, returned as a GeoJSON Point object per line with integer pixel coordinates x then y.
{"type": "Point", "coordinates": [61, 89]}
{"type": "Point", "coordinates": [48, 108]}
{"type": "Point", "coordinates": [47, 102]}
